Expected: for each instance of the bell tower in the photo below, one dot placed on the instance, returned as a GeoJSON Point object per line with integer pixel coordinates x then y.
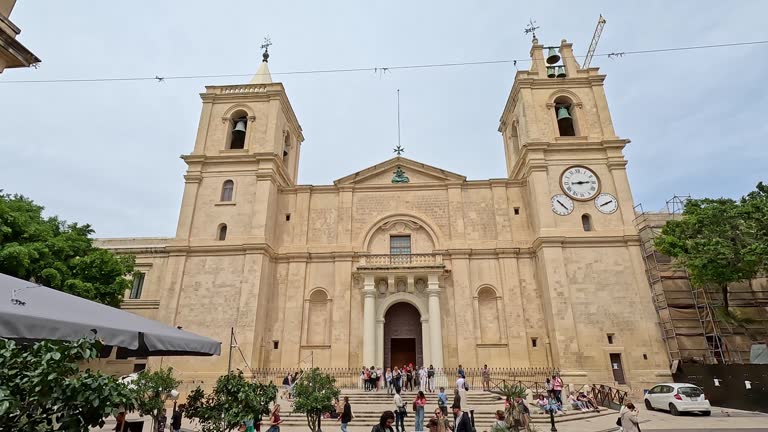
{"type": "Point", "coordinates": [247, 147]}
{"type": "Point", "coordinates": [557, 116]}
{"type": "Point", "coordinates": [561, 147]}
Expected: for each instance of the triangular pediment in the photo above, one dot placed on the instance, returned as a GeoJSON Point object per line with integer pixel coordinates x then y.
{"type": "Point", "coordinates": [416, 172]}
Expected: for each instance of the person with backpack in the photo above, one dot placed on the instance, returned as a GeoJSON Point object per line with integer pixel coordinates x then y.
{"type": "Point", "coordinates": [442, 401]}
{"type": "Point", "coordinates": [346, 414]}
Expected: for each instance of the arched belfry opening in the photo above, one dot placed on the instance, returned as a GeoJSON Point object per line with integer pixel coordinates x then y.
{"type": "Point", "coordinates": [402, 336]}
{"type": "Point", "coordinates": [564, 115]}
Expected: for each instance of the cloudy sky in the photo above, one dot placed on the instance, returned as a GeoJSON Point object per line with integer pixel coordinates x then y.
{"type": "Point", "coordinates": [108, 153]}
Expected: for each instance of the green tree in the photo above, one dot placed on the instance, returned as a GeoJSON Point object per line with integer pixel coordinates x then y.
{"type": "Point", "coordinates": [719, 241]}
{"type": "Point", "coordinates": [232, 400]}
{"type": "Point", "coordinates": [313, 394]}
{"type": "Point", "coordinates": [152, 390]}
{"type": "Point", "coordinates": [42, 387]}
{"type": "Point", "coordinates": [58, 254]}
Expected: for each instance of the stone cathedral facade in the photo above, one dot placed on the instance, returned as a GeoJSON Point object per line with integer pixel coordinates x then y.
{"type": "Point", "coordinates": [406, 262]}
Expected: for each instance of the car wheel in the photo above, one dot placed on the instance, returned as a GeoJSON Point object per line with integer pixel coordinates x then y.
{"type": "Point", "coordinates": [648, 405]}
{"type": "Point", "coordinates": [673, 410]}
{"type": "Point", "coordinates": [706, 413]}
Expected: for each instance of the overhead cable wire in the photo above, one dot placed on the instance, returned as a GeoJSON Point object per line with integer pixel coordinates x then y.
{"type": "Point", "coordinates": [158, 78]}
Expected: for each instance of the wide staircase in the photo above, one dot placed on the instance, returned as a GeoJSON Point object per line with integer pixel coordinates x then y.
{"type": "Point", "coordinates": [368, 406]}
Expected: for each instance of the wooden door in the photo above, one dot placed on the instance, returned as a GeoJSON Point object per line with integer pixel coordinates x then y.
{"type": "Point", "coordinates": [618, 370]}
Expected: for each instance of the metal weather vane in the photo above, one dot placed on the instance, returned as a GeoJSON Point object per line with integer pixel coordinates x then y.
{"type": "Point", "coordinates": [531, 28]}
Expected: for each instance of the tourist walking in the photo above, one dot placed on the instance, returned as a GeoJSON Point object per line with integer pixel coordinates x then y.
{"type": "Point", "coordinates": [423, 379]}
{"type": "Point", "coordinates": [461, 385]}
{"type": "Point", "coordinates": [463, 423]}
{"type": "Point", "coordinates": [346, 414]}
{"type": "Point", "coordinates": [400, 412]}
{"type": "Point", "coordinates": [388, 380]}
{"type": "Point", "coordinates": [442, 401]}
{"type": "Point", "coordinates": [629, 421]}
{"type": "Point", "coordinates": [431, 378]}
{"type": "Point", "coordinates": [274, 419]}
{"type": "Point", "coordinates": [385, 422]}
{"type": "Point", "coordinates": [418, 406]}
{"type": "Point", "coordinates": [486, 378]}
{"type": "Point", "coordinates": [176, 418]}
{"type": "Point", "coordinates": [557, 388]}
{"type": "Point", "coordinates": [461, 372]}
{"type": "Point", "coordinates": [457, 397]}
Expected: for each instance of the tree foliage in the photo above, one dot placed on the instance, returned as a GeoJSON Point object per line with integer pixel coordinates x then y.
{"type": "Point", "coordinates": [152, 390]}
{"type": "Point", "coordinates": [43, 389]}
{"type": "Point", "coordinates": [720, 241]}
{"type": "Point", "coordinates": [58, 254]}
{"type": "Point", "coordinates": [232, 400]}
{"type": "Point", "coordinates": [313, 394]}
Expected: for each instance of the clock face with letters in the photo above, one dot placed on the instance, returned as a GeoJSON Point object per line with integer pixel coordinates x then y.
{"type": "Point", "coordinates": [580, 183]}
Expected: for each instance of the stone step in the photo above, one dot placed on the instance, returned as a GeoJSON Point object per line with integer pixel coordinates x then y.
{"type": "Point", "coordinates": [482, 420]}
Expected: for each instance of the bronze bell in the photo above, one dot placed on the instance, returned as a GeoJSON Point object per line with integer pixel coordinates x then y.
{"type": "Point", "coordinates": [562, 113]}
{"type": "Point", "coordinates": [561, 72]}
{"type": "Point", "coordinates": [240, 126]}
{"type": "Point", "coordinates": [553, 57]}
{"type": "Point", "coordinates": [551, 72]}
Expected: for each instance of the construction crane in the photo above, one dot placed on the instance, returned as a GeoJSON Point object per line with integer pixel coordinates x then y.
{"type": "Point", "coordinates": [595, 40]}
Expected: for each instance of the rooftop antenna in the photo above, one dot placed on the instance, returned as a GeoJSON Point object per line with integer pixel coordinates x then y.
{"type": "Point", "coordinates": [531, 28]}
{"type": "Point", "coordinates": [595, 39]}
{"type": "Point", "coordinates": [399, 150]}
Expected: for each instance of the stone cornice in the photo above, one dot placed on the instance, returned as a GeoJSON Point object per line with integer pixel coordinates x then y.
{"type": "Point", "coordinates": [585, 241]}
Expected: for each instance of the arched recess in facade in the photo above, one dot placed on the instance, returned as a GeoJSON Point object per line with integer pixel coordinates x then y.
{"type": "Point", "coordinates": [392, 273]}
{"type": "Point", "coordinates": [391, 222]}
{"type": "Point", "coordinates": [318, 310]}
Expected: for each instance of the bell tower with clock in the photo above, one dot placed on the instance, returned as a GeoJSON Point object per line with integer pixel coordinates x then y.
{"type": "Point", "coordinates": [560, 143]}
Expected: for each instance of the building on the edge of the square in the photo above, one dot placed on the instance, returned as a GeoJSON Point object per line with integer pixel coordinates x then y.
{"type": "Point", "coordinates": [405, 262]}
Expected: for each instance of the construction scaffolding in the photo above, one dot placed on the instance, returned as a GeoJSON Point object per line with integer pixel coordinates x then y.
{"type": "Point", "coordinates": [691, 317]}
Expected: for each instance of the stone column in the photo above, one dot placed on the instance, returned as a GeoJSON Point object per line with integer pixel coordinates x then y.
{"type": "Point", "coordinates": [379, 343]}
{"type": "Point", "coordinates": [426, 343]}
{"type": "Point", "coordinates": [435, 324]}
{"type": "Point", "coordinates": [369, 321]}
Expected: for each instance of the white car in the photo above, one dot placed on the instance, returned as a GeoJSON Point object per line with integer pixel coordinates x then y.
{"type": "Point", "coordinates": [677, 398]}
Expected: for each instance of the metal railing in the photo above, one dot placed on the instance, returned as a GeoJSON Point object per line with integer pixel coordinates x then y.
{"type": "Point", "coordinates": [351, 378]}
{"type": "Point", "coordinates": [401, 260]}
{"type": "Point", "coordinates": [605, 396]}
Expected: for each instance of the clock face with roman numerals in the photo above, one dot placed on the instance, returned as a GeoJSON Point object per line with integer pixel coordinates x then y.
{"type": "Point", "coordinates": [580, 183]}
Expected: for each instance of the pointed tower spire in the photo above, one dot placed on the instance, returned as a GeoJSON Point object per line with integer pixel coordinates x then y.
{"type": "Point", "coordinates": [262, 75]}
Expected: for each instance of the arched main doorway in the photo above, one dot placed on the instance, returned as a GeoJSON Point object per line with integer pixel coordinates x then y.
{"type": "Point", "coordinates": [402, 336]}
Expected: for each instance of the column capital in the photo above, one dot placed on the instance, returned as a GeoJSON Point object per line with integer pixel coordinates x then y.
{"type": "Point", "coordinates": [369, 292]}
{"type": "Point", "coordinates": [433, 291]}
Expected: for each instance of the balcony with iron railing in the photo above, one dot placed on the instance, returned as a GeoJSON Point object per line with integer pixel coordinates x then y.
{"type": "Point", "coordinates": [401, 261]}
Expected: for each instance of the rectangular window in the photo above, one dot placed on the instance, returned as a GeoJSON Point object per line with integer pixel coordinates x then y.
{"type": "Point", "coordinates": [275, 344]}
{"type": "Point", "coordinates": [138, 367]}
{"type": "Point", "coordinates": [517, 210]}
{"type": "Point", "coordinates": [534, 342]}
{"type": "Point", "coordinates": [400, 245]}
{"type": "Point", "coordinates": [138, 284]}
{"type": "Point", "coordinates": [610, 338]}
